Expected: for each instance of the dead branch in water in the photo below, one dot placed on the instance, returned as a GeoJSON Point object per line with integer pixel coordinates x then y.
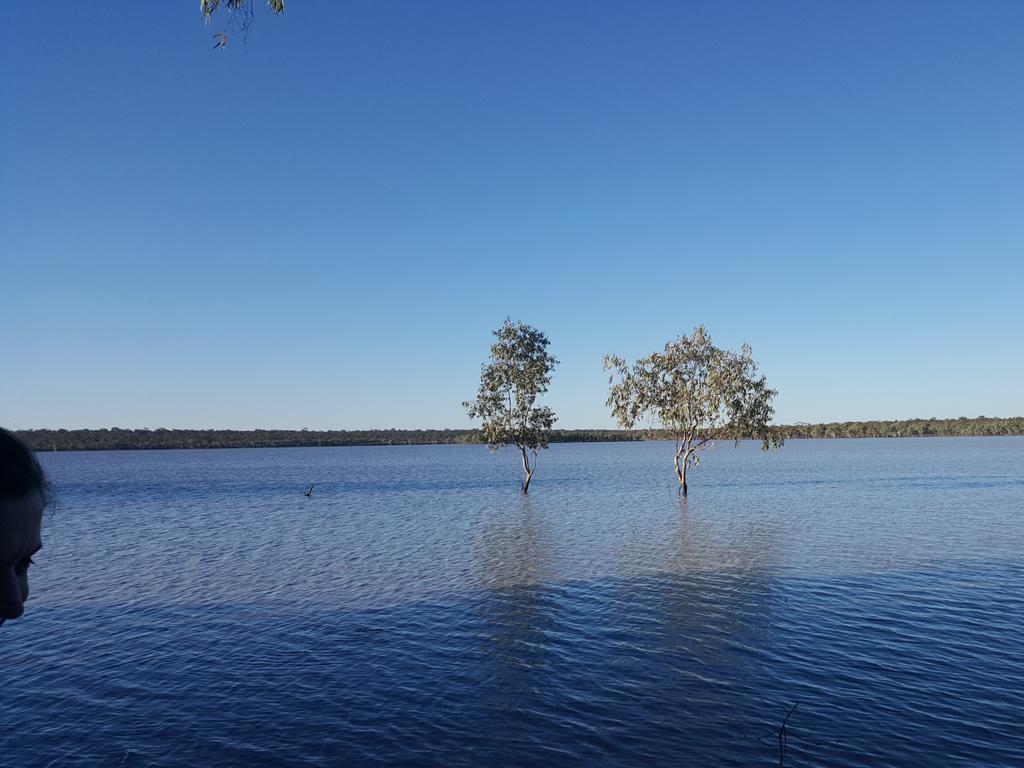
{"type": "Point", "coordinates": [783, 738]}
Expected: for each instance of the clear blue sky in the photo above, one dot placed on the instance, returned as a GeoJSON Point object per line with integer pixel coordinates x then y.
{"type": "Point", "coordinates": [321, 228]}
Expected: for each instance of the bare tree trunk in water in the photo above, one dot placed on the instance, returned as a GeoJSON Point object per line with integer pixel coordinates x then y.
{"type": "Point", "coordinates": [526, 470]}
{"type": "Point", "coordinates": [683, 451]}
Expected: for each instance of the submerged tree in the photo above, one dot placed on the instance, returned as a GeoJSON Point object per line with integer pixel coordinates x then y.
{"type": "Point", "coordinates": [518, 373]}
{"type": "Point", "coordinates": [697, 393]}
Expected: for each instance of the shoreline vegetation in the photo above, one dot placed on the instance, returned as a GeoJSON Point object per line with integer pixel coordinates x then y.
{"type": "Point", "coordinates": [116, 439]}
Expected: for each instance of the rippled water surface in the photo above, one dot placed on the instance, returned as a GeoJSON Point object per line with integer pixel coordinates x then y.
{"type": "Point", "coordinates": [195, 608]}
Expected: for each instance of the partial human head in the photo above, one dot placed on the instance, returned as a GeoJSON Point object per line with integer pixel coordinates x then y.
{"type": "Point", "coordinates": [22, 500]}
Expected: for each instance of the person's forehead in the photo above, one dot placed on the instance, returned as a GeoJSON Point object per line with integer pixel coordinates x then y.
{"type": "Point", "coordinates": [20, 521]}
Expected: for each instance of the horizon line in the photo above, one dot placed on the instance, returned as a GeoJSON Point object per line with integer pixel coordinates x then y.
{"type": "Point", "coordinates": [477, 428]}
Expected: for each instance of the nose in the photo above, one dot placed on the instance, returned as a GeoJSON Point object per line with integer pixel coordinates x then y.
{"type": "Point", "coordinates": [12, 601]}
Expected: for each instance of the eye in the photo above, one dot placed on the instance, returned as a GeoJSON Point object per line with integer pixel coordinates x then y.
{"type": "Point", "coordinates": [23, 564]}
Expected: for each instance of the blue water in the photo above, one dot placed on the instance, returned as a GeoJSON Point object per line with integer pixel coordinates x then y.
{"type": "Point", "coordinates": [195, 608]}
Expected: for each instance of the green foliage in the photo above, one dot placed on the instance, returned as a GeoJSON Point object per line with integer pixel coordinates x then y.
{"type": "Point", "coordinates": [209, 7]}
{"type": "Point", "coordinates": [518, 373]}
{"type": "Point", "coordinates": [240, 16]}
{"type": "Point", "coordinates": [696, 393]}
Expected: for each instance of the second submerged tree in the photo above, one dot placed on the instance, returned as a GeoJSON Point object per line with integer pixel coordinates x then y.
{"type": "Point", "coordinates": [697, 393]}
{"type": "Point", "coordinates": [518, 373]}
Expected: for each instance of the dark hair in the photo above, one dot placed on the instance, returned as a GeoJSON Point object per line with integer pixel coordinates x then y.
{"type": "Point", "coordinates": [20, 472]}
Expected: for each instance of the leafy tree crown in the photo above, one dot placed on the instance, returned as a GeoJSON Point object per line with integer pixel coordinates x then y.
{"type": "Point", "coordinates": [517, 374]}
{"type": "Point", "coordinates": [695, 391]}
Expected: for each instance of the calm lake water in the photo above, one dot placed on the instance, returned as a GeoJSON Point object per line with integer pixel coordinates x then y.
{"type": "Point", "coordinates": [195, 608]}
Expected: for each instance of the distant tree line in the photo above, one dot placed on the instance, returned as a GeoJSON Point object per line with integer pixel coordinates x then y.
{"type": "Point", "coordinates": [981, 426]}
{"type": "Point", "coordinates": [149, 439]}
{"type": "Point", "coordinates": [116, 439]}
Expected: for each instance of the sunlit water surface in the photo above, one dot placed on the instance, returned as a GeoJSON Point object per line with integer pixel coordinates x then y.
{"type": "Point", "coordinates": [195, 608]}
